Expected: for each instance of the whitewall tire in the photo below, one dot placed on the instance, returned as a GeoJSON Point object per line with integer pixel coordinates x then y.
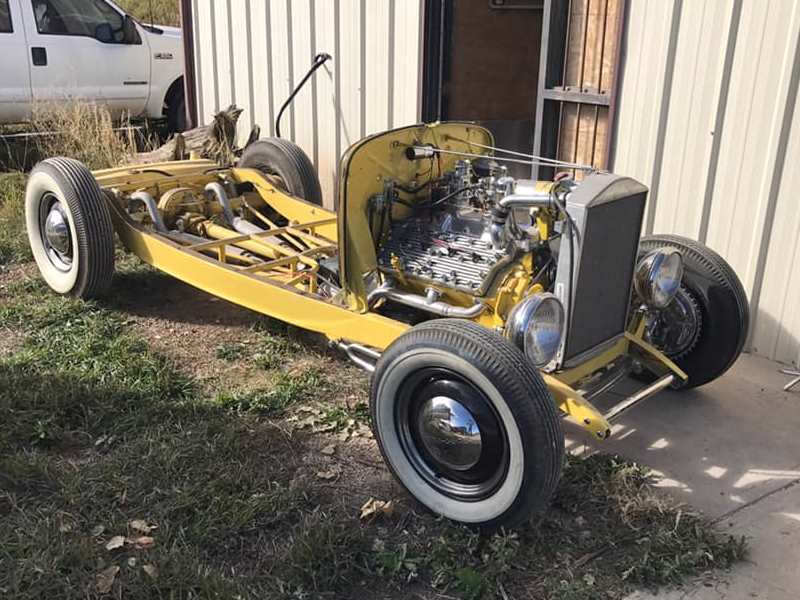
{"type": "Point", "coordinates": [69, 228]}
{"type": "Point", "coordinates": [466, 424]}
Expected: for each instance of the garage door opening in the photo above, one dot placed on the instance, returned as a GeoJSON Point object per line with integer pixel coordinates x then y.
{"type": "Point", "coordinates": [482, 64]}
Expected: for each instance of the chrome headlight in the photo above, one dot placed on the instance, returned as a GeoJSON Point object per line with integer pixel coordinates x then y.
{"type": "Point", "coordinates": [658, 277]}
{"type": "Point", "coordinates": [536, 326]}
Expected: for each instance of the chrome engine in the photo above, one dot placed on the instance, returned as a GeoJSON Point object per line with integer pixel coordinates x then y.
{"type": "Point", "coordinates": [462, 238]}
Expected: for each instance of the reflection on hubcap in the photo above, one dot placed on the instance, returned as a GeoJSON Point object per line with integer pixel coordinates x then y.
{"type": "Point", "coordinates": [56, 230]}
{"type": "Point", "coordinates": [450, 433]}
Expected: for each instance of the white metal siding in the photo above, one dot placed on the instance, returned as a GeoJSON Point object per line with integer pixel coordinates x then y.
{"type": "Point", "coordinates": [252, 52]}
{"type": "Point", "coordinates": [706, 118]}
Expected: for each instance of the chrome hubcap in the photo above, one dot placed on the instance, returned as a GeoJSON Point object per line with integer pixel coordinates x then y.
{"type": "Point", "coordinates": [55, 232]}
{"type": "Point", "coordinates": [450, 433]}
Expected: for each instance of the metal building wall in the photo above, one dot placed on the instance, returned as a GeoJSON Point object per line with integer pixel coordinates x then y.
{"type": "Point", "coordinates": [707, 118]}
{"type": "Point", "coordinates": [251, 52]}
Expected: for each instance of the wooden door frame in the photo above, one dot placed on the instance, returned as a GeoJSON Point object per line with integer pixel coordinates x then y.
{"type": "Point", "coordinates": [552, 92]}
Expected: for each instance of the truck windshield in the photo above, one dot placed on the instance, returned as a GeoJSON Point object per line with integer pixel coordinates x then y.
{"type": "Point", "coordinates": [76, 17]}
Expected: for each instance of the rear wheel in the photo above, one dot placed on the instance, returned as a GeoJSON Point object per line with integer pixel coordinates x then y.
{"type": "Point", "coordinates": [69, 228]}
{"type": "Point", "coordinates": [705, 326]}
{"type": "Point", "coordinates": [287, 161]}
{"type": "Point", "coordinates": [466, 424]}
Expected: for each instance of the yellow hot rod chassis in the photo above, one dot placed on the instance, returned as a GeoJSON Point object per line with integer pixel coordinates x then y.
{"type": "Point", "coordinates": [271, 260]}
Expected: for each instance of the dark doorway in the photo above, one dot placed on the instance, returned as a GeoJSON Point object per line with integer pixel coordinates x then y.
{"type": "Point", "coordinates": [482, 64]}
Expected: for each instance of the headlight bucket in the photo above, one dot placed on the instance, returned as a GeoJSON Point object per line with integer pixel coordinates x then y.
{"type": "Point", "coordinates": [536, 326]}
{"type": "Point", "coordinates": [658, 277]}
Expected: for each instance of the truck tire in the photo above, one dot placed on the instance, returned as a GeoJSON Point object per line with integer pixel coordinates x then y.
{"type": "Point", "coordinates": [276, 156]}
{"type": "Point", "coordinates": [176, 111]}
{"type": "Point", "coordinates": [69, 228]}
{"type": "Point", "coordinates": [466, 424]}
{"type": "Point", "coordinates": [711, 299]}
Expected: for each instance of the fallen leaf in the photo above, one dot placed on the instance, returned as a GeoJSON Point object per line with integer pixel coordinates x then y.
{"type": "Point", "coordinates": [144, 541]}
{"type": "Point", "coordinates": [373, 508]}
{"type": "Point", "coordinates": [105, 579]}
{"type": "Point", "coordinates": [150, 570]}
{"type": "Point", "coordinates": [327, 475]}
{"type": "Point", "coordinates": [328, 450]}
{"type": "Point", "coordinates": [118, 541]}
{"type": "Point", "coordinates": [141, 526]}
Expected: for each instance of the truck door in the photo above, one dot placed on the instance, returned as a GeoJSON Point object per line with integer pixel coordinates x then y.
{"type": "Point", "coordinates": [87, 50]}
{"type": "Point", "coordinates": [15, 78]}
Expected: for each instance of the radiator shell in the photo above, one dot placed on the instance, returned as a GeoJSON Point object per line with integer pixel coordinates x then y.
{"type": "Point", "coordinates": [607, 210]}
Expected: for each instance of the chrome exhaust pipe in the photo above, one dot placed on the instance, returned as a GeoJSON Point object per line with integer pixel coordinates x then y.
{"type": "Point", "coordinates": [360, 355]}
{"type": "Point", "coordinates": [239, 224]}
{"type": "Point", "coordinates": [430, 305]}
{"type": "Point", "coordinates": [152, 209]}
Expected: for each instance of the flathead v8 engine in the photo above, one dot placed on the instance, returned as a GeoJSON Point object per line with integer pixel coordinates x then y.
{"type": "Point", "coordinates": [460, 237]}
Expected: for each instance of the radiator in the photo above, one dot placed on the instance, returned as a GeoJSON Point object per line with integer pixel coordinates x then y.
{"type": "Point", "coordinates": [607, 211]}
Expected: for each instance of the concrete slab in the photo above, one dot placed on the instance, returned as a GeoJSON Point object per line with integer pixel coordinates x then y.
{"type": "Point", "coordinates": [732, 450]}
{"type": "Point", "coordinates": [772, 571]}
{"type": "Point", "coordinates": [718, 447]}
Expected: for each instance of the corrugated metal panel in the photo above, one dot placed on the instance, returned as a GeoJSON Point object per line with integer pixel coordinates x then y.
{"type": "Point", "coordinates": [706, 118]}
{"type": "Point", "coordinates": [251, 52]}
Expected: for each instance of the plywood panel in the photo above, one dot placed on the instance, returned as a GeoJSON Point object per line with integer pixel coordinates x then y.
{"type": "Point", "coordinates": [493, 59]}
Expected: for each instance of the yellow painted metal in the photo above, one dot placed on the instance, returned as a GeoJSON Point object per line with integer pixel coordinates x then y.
{"type": "Point", "coordinates": [657, 355]}
{"type": "Point", "coordinates": [579, 410]}
{"type": "Point", "coordinates": [294, 209]}
{"type": "Point", "coordinates": [364, 168]}
{"type": "Point", "coordinates": [257, 293]}
{"type": "Point", "coordinates": [575, 374]}
{"type": "Point", "coordinates": [367, 165]}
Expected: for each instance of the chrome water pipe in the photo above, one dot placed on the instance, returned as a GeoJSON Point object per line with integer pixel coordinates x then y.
{"type": "Point", "coordinates": [436, 307]}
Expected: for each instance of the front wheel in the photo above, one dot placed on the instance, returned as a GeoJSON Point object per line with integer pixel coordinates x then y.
{"type": "Point", "coordinates": [704, 328]}
{"type": "Point", "coordinates": [466, 424]}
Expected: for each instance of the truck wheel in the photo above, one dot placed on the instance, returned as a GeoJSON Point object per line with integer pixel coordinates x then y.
{"type": "Point", "coordinates": [466, 424]}
{"type": "Point", "coordinates": [69, 228]}
{"type": "Point", "coordinates": [276, 156]}
{"type": "Point", "coordinates": [176, 112]}
{"type": "Point", "coordinates": [704, 328]}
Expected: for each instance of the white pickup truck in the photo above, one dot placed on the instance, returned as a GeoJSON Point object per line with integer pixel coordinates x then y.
{"type": "Point", "coordinates": [55, 50]}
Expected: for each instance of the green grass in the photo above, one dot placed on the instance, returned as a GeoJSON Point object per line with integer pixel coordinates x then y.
{"type": "Point", "coordinates": [99, 430]}
{"type": "Point", "coordinates": [13, 241]}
